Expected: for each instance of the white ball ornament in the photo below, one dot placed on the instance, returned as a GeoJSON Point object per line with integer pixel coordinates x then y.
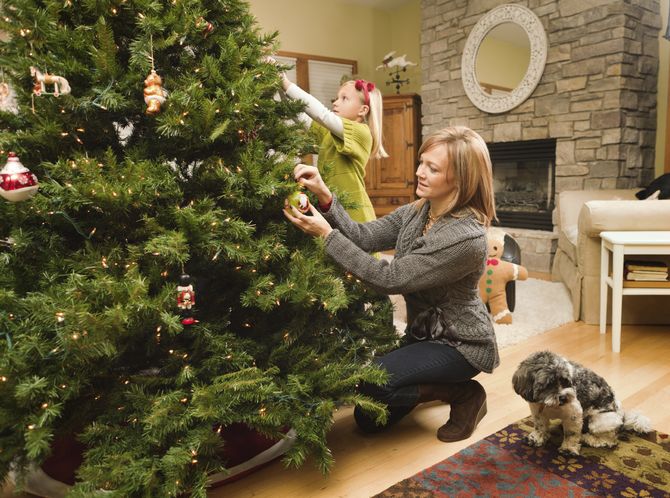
{"type": "Point", "coordinates": [17, 183]}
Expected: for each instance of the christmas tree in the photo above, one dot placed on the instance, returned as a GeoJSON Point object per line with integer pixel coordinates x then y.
{"type": "Point", "coordinates": [151, 292]}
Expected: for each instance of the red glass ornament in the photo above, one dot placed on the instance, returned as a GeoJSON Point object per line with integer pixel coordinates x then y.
{"type": "Point", "coordinates": [17, 183]}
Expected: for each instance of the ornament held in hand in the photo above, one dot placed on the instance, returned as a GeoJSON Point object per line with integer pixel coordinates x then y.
{"type": "Point", "coordinates": [299, 200]}
{"type": "Point", "coordinates": [154, 94]}
{"type": "Point", "coordinates": [17, 183]}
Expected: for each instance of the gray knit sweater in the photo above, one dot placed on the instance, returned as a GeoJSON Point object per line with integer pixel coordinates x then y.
{"type": "Point", "coordinates": [437, 271]}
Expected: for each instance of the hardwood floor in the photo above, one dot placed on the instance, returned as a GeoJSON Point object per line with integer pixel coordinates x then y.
{"type": "Point", "coordinates": [368, 464]}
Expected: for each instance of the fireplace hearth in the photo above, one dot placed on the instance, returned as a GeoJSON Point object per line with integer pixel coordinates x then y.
{"type": "Point", "coordinates": [524, 182]}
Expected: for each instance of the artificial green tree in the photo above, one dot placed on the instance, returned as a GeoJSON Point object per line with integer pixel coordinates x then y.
{"type": "Point", "coordinates": [92, 343]}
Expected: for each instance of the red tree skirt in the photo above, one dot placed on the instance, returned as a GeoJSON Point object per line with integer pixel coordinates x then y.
{"type": "Point", "coordinates": [245, 451]}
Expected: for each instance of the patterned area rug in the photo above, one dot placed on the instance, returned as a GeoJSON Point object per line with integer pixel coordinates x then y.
{"type": "Point", "coordinates": [504, 465]}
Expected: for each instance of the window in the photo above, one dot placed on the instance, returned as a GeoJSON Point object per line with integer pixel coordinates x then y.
{"type": "Point", "coordinates": [320, 76]}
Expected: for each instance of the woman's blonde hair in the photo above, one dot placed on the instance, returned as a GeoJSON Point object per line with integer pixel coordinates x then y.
{"type": "Point", "coordinates": [374, 118]}
{"type": "Point", "coordinates": [468, 156]}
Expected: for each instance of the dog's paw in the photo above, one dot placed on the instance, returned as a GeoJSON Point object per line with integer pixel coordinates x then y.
{"type": "Point", "coordinates": [600, 441]}
{"type": "Point", "coordinates": [569, 450]}
{"type": "Point", "coordinates": [537, 439]}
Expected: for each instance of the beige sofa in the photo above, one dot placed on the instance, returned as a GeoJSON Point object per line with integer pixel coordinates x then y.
{"type": "Point", "coordinates": [581, 216]}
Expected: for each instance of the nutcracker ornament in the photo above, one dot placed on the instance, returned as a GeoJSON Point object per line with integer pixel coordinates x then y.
{"type": "Point", "coordinates": [17, 183]}
{"type": "Point", "coordinates": [186, 300]}
{"type": "Point", "coordinates": [154, 93]}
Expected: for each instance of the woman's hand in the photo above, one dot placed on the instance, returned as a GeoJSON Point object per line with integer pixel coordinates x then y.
{"type": "Point", "coordinates": [315, 225]}
{"type": "Point", "coordinates": [309, 177]}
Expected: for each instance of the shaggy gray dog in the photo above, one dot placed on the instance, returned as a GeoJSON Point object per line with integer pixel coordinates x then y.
{"type": "Point", "coordinates": [557, 388]}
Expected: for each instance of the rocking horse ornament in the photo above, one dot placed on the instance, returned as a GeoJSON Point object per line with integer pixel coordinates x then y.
{"type": "Point", "coordinates": [41, 80]}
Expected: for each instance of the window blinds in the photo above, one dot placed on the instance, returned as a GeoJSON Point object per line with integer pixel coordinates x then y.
{"type": "Point", "coordinates": [325, 79]}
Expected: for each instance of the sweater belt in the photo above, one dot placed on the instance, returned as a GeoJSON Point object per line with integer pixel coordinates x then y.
{"type": "Point", "coordinates": [432, 323]}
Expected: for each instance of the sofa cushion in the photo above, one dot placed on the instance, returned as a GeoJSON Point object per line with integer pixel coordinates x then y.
{"type": "Point", "coordinates": [570, 203]}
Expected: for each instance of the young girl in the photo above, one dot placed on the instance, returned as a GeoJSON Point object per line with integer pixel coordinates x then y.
{"type": "Point", "coordinates": [348, 135]}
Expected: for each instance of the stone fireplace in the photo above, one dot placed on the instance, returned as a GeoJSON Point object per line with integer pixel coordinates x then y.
{"type": "Point", "coordinates": [596, 99]}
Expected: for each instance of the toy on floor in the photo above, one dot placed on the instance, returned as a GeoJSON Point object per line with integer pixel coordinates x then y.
{"type": "Point", "coordinates": [496, 275]}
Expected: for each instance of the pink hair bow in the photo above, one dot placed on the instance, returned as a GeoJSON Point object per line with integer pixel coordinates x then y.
{"type": "Point", "coordinates": [366, 87]}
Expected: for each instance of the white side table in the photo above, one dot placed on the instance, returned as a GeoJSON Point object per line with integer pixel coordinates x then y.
{"type": "Point", "coordinates": [620, 244]}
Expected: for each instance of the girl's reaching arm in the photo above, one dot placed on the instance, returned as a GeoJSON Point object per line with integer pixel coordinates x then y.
{"type": "Point", "coordinates": [316, 110]}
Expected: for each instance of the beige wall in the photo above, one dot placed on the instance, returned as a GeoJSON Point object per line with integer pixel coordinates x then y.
{"type": "Point", "coordinates": [349, 31]}
{"type": "Point", "coordinates": [319, 27]}
{"type": "Point", "coordinates": [662, 98]}
{"type": "Point", "coordinates": [402, 33]}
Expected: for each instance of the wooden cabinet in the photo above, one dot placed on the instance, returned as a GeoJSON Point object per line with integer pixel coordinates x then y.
{"type": "Point", "coordinates": [390, 182]}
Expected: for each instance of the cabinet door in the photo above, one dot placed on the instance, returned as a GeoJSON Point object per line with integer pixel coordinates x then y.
{"type": "Point", "coordinates": [391, 181]}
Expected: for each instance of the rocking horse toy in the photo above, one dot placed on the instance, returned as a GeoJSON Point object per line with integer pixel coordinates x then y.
{"type": "Point", "coordinates": [41, 80]}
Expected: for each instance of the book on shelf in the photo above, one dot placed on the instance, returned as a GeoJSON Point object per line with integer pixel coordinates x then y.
{"type": "Point", "coordinates": [647, 276]}
{"type": "Point", "coordinates": [635, 265]}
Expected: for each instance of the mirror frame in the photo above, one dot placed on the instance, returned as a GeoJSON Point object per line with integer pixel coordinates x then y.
{"type": "Point", "coordinates": [531, 24]}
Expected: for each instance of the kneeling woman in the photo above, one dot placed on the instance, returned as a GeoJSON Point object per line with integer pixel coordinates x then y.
{"type": "Point", "coordinates": [440, 253]}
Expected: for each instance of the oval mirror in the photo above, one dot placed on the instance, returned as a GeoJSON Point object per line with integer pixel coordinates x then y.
{"type": "Point", "coordinates": [503, 58]}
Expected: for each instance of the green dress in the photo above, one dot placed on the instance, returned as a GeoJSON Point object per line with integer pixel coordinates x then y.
{"type": "Point", "coordinates": [342, 164]}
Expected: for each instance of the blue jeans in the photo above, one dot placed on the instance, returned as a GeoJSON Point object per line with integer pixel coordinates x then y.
{"type": "Point", "coordinates": [408, 366]}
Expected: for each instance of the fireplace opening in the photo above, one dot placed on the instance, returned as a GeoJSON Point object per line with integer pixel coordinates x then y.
{"type": "Point", "coordinates": [524, 182]}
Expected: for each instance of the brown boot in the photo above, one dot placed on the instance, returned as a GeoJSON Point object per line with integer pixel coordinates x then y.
{"type": "Point", "coordinates": [468, 407]}
{"type": "Point", "coordinates": [433, 392]}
